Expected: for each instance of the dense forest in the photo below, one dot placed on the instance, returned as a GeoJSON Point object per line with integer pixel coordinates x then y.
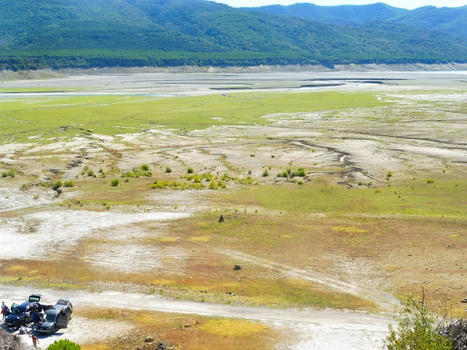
{"type": "Point", "coordinates": [101, 33]}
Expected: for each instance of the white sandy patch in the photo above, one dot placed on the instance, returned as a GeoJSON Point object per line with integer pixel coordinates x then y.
{"type": "Point", "coordinates": [84, 331]}
{"type": "Point", "coordinates": [329, 337]}
{"type": "Point", "coordinates": [135, 258]}
{"type": "Point", "coordinates": [13, 198]}
{"type": "Point", "coordinates": [14, 147]}
{"type": "Point", "coordinates": [447, 153]}
{"type": "Point", "coordinates": [459, 97]}
{"type": "Point", "coordinates": [56, 230]}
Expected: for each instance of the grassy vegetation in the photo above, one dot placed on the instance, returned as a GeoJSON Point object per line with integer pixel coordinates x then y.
{"type": "Point", "coordinates": [210, 281]}
{"type": "Point", "coordinates": [417, 197]}
{"type": "Point", "coordinates": [395, 249]}
{"type": "Point", "coordinates": [182, 331]}
{"type": "Point", "coordinates": [68, 116]}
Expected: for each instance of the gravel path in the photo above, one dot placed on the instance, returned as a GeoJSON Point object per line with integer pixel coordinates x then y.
{"type": "Point", "coordinates": [312, 329]}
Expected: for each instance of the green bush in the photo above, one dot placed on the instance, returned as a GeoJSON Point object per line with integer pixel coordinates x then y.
{"type": "Point", "coordinates": [57, 184]}
{"type": "Point", "coordinates": [418, 329]}
{"type": "Point", "coordinates": [189, 170]}
{"type": "Point", "coordinates": [63, 344]}
{"type": "Point", "coordinates": [265, 172]}
{"type": "Point", "coordinates": [168, 169]}
{"type": "Point", "coordinates": [145, 167]}
{"type": "Point", "coordinates": [69, 183]}
{"type": "Point", "coordinates": [10, 173]}
{"type": "Point", "coordinates": [114, 182]}
{"type": "Point", "coordinates": [300, 172]}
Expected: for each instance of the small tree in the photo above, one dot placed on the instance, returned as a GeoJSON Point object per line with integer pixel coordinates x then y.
{"type": "Point", "coordinates": [64, 344]}
{"type": "Point", "coordinates": [418, 329]}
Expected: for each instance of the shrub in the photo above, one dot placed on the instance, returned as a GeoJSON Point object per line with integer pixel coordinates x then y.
{"type": "Point", "coordinates": [63, 344]}
{"type": "Point", "coordinates": [245, 181]}
{"type": "Point", "coordinates": [90, 173]}
{"type": "Point", "coordinates": [114, 182]}
{"type": "Point", "coordinates": [57, 185]}
{"type": "Point", "coordinates": [189, 170]}
{"type": "Point", "coordinates": [145, 167]}
{"type": "Point", "coordinates": [418, 329]}
{"type": "Point", "coordinates": [69, 183]}
{"type": "Point", "coordinates": [430, 181]}
{"type": "Point", "coordinates": [300, 172]}
{"type": "Point", "coordinates": [168, 170]}
{"type": "Point", "coordinates": [10, 173]}
{"type": "Point", "coordinates": [265, 172]}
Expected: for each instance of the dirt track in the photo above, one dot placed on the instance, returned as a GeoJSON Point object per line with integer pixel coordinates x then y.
{"type": "Point", "coordinates": [317, 329]}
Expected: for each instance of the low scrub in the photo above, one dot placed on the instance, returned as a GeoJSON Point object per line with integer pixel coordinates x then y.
{"type": "Point", "coordinates": [417, 329]}
{"type": "Point", "coordinates": [8, 173]}
{"type": "Point", "coordinates": [290, 174]}
{"type": "Point", "coordinates": [143, 171]}
{"type": "Point", "coordinates": [63, 344]}
{"type": "Point", "coordinates": [69, 183]}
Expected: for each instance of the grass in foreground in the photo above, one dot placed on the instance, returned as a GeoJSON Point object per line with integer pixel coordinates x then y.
{"type": "Point", "coordinates": [183, 331]}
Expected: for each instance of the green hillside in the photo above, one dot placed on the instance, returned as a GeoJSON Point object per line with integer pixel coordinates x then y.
{"type": "Point", "coordinates": [96, 33]}
{"type": "Point", "coordinates": [342, 14]}
{"type": "Point", "coordinates": [448, 20]}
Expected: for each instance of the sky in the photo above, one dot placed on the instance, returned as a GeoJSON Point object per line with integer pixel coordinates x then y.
{"type": "Point", "coordinates": [408, 4]}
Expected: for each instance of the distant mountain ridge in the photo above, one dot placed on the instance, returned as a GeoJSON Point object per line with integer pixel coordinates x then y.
{"type": "Point", "coordinates": [451, 20]}
{"type": "Point", "coordinates": [97, 33]}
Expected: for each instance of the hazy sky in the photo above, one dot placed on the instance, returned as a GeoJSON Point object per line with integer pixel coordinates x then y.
{"type": "Point", "coordinates": [410, 4]}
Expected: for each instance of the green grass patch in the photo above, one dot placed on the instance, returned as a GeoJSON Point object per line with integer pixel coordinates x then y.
{"type": "Point", "coordinates": [68, 116]}
{"type": "Point", "coordinates": [440, 198]}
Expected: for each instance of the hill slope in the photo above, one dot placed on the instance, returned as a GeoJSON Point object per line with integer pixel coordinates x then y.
{"type": "Point", "coordinates": [448, 20]}
{"type": "Point", "coordinates": [86, 33]}
{"type": "Point", "coordinates": [343, 14]}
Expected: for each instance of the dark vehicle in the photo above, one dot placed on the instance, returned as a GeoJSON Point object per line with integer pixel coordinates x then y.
{"type": "Point", "coordinates": [25, 313]}
{"type": "Point", "coordinates": [34, 298]}
{"type": "Point", "coordinates": [55, 318]}
{"type": "Point", "coordinates": [20, 316]}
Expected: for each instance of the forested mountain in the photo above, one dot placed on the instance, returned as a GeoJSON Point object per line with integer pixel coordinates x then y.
{"type": "Point", "coordinates": [87, 33]}
{"type": "Point", "coordinates": [445, 19]}
{"type": "Point", "coordinates": [343, 14]}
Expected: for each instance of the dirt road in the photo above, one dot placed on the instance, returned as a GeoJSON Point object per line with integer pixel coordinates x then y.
{"type": "Point", "coordinates": [315, 329]}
